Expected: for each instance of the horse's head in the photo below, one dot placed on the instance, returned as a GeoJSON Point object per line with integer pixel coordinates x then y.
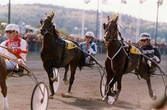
{"type": "Point", "coordinates": [110, 29]}
{"type": "Point", "coordinates": [46, 24]}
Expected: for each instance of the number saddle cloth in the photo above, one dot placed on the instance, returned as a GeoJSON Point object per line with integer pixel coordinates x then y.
{"type": "Point", "coordinates": [70, 45]}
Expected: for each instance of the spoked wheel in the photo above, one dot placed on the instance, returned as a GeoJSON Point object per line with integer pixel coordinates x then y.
{"type": "Point", "coordinates": [39, 99]}
{"type": "Point", "coordinates": [57, 82]}
{"type": "Point", "coordinates": [103, 85]}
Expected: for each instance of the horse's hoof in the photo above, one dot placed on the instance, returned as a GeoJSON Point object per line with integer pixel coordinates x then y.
{"type": "Point", "coordinates": [51, 97]}
{"type": "Point", "coordinates": [54, 79]}
{"type": "Point", "coordinates": [110, 100]}
{"type": "Point", "coordinates": [66, 82]}
{"type": "Point", "coordinates": [154, 97]}
{"type": "Point", "coordinates": [104, 98]}
{"type": "Point", "coordinates": [67, 95]}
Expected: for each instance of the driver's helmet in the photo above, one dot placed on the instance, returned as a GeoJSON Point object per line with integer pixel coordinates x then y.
{"type": "Point", "coordinates": [90, 33]}
{"type": "Point", "coordinates": [145, 36]}
{"type": "Point", "coordinates": [12, 27]}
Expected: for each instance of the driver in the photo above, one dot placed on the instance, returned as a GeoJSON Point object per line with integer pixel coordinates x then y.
{"type": "Point", "coordinates": [148, 49]}
{"type": "Point", "coordinates": [88, 46]}
{"type": "Point", "coordinates": [14, 47]}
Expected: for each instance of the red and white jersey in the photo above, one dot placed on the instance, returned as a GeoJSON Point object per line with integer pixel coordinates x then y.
{"type": "Point", "coordinates": [19, 46]}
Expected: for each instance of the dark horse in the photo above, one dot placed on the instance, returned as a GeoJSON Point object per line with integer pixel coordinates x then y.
{"type": "Point", "coordinates": [120, 60]}
{"type": "Point", "coordinates": [55, 55]}
{"type": "Point", "coordinates": [3, 75]}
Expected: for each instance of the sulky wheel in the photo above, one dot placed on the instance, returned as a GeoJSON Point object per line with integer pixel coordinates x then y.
{"type": "Point", "coordinates": [103, 85]}
{"type": "Point", "coordinates": [39, 99]}
{"type": "Point", "coordinates": [57, 77]}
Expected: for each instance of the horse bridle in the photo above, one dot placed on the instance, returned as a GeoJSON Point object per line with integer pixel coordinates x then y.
{"type": "Point", "coordinates": [111, 38]}
{"type": "Point", "coordinates": [46, 30]}
{"type": "Point", "coordinates": [55, 39]}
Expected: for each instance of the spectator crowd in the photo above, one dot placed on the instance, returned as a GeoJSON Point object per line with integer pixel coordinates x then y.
{"type": "Point", "coordinates": [35, 42]}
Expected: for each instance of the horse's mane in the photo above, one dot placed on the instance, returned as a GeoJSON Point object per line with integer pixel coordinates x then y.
{"type": "Point", "coordinates": [55, 31]}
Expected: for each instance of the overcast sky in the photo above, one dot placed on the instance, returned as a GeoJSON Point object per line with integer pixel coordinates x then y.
{"type": "Point", "coordinates": [146, 11]}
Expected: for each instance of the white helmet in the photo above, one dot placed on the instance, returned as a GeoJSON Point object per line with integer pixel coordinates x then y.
{"type": "Point", "coordinates": [12, 27]}
{"type": "Point", "coordinates": [145, 36]}
{"type": "Point", "coordinates": [90, 33]}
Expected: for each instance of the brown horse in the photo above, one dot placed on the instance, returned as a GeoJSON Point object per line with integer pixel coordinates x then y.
{"type": "Point", "coordinates": [3, 75]}
{"type": "Point", "coordinates": [120, 60]}
{"type": "Point", "coordinates": [55, 55]}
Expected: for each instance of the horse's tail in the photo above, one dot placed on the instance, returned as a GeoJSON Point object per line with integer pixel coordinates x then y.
{"type": "Point", "coordinates": [81, 60]}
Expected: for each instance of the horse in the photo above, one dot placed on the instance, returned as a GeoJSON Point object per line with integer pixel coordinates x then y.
{"type": "Point", "coordinates": [121, 59]}
{"type": "Point", "coordinates": [3, 76]}
{"type": "Point", "coordinates": [55, 55]}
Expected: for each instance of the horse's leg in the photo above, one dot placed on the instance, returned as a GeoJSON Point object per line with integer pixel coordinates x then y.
{"type": "Point", "coordinates": [119, 87]}
{"type": "Point", "coordinates": [114, 80]}
{"type": "Point", "coordinates": [143, 67]}
{"type": "Point", "coordinates": [110, 75]}
{"type": "Point", "coordinates": [65, 74]}
{"type": "Point", "coordinates": [4, 93]}
{"type": "Point", "coordinates": [50, 77]}
{"type": "Point", "coordinates": [111, 95]}
{"type": "Point", "coordinates": [3, 74]}
{"type": "Point", "coordinates": [152, 95]}
{"type": "Point", "coordinates": [72, 77]}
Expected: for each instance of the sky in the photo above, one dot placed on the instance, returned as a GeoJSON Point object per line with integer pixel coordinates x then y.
{"type": "Point", "coordinates": [146, 11]}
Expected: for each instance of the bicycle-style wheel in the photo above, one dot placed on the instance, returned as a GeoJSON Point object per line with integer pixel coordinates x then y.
{"type": "Point", "coordinates": [103, 85]}
{"type": "Point", "coordinates": [39, 99]}
{"type": "Point", "coordinates": [57, 77]}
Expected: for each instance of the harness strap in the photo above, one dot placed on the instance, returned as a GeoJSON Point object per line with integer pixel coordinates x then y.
{"type": "Point", "coordinates": [111, 59]}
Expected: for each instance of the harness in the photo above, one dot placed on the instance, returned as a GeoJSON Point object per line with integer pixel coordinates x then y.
{"type": "Point", "coordinates": [126, 48]}
{"type": "Point", "coordinates": [67, 45]}
{"type": "Point", "coordinates": [56, 41]}
{"type": "Point", "coordinates": [112, 58]}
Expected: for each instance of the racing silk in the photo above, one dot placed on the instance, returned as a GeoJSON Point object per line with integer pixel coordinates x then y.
{"type": "Point", "coordinates": [19, 46]}
{"type": "Point", "coordinates": [148, 49]}
{"type": "Point", "coordinates": [92, 50]}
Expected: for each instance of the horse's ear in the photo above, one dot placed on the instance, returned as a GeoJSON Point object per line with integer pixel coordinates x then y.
{"type": "Point", "coordinates": [115, 17]}
{"type": "Point", "coordinates": [52, 15]}
{"type": "Point", "coordinates": [45, 15]}
{"type": "Point", "coordinates": [108, 18]}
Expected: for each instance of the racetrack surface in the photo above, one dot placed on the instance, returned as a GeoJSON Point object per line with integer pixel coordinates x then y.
{"type": "Point", "coordinates": [85, 91]}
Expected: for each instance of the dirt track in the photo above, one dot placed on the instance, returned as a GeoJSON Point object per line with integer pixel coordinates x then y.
{"type": "Point", "coordinates": [85, 90]}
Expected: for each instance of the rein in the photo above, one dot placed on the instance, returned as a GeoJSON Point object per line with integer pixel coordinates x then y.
{"type": "Point", "coordinates": [55, 40]}
{"type": "Point", "coordinates": [111, 38]}
{"type": "Point", "coordinates": [49, 32]}
{"type": "Point", "coordinates": [112, 58]}
{"type": "Point", "coordinates": [116, 30]}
